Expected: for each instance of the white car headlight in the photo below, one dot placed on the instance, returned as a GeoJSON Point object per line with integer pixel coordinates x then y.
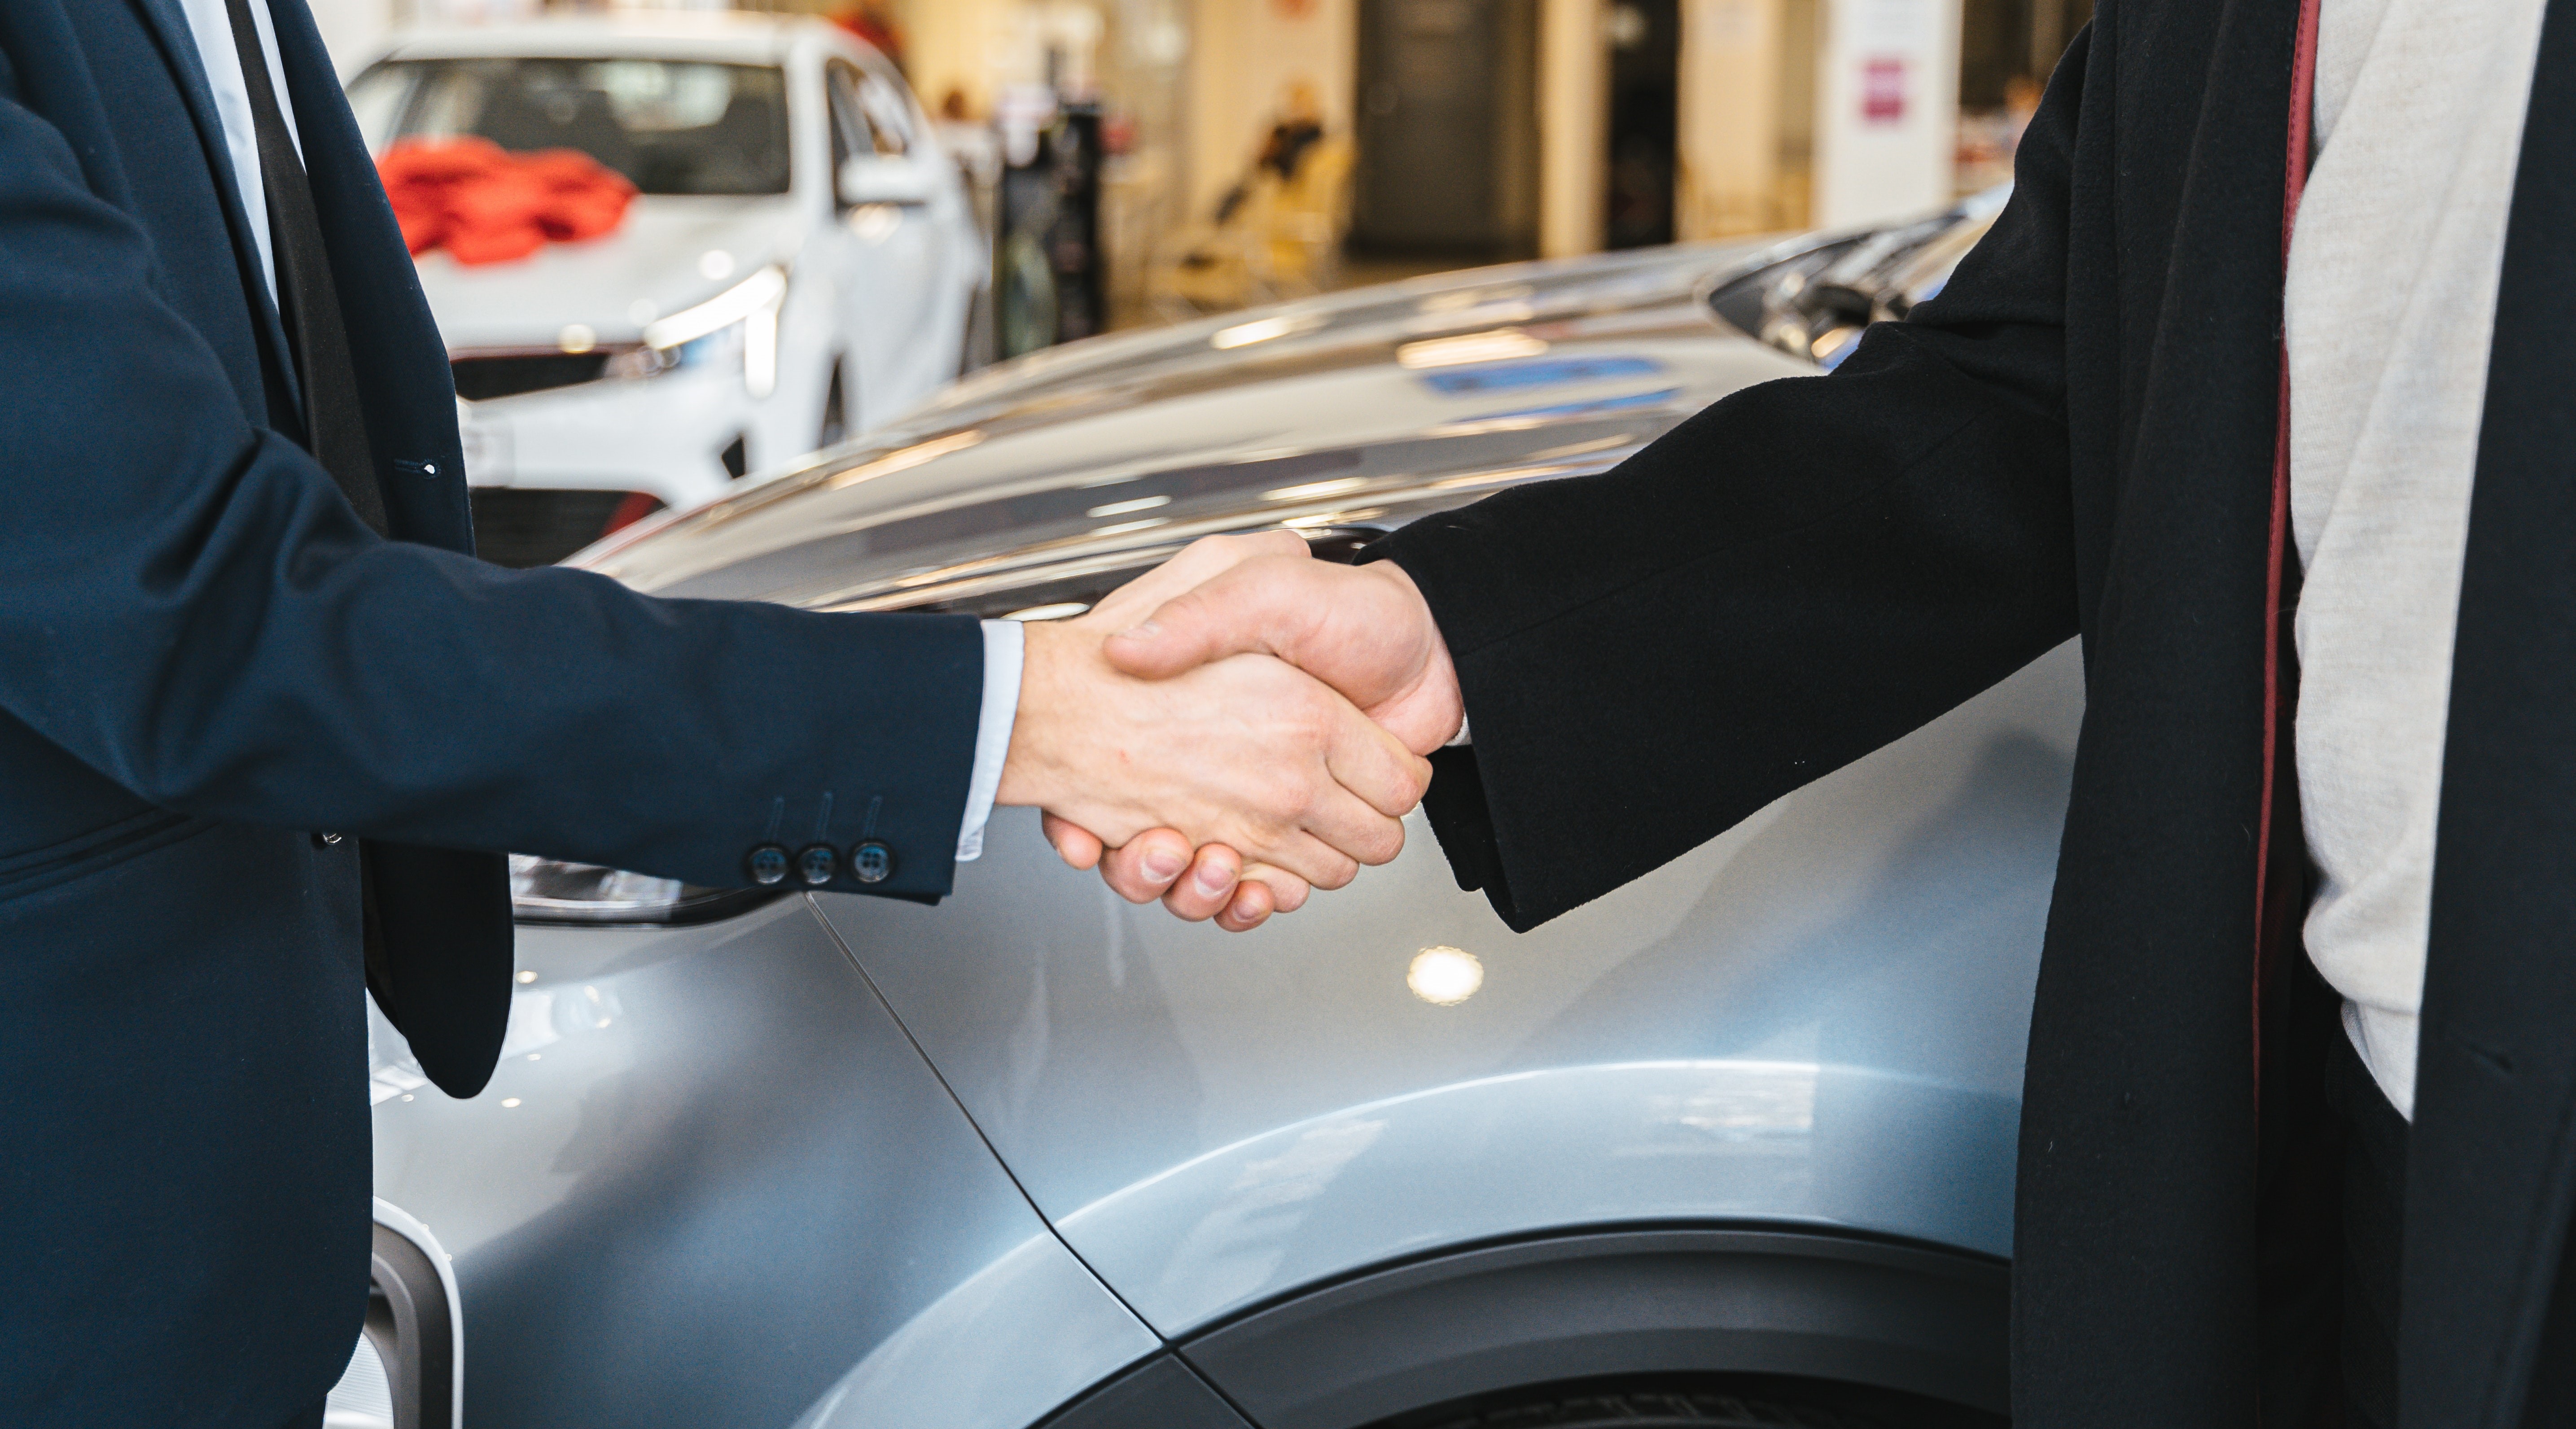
{"type": "Point", "coordinates": [736, 326]}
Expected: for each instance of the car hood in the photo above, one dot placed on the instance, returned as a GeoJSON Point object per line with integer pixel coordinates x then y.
{"type": "Point", "coordinates": [1361, 410]}
{"type": "Point", "coordinates": [650, 267]}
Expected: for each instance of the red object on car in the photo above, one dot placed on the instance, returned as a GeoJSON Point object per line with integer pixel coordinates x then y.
{"type": "Point", "coordinates": [484, 204]}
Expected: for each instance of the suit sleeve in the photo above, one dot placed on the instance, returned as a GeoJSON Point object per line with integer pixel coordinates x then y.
{"type": "Point", "coordinates": [194, 611]}
{"type": "Point", "coordinates": [1793, 577]}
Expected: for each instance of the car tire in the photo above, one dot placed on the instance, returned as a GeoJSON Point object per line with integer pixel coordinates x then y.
{"type": "Point", "coordinates": [1656, 1409]}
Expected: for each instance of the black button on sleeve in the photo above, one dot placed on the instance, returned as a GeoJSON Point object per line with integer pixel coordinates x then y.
{"type": "Point", "coordinates": [767, 865]}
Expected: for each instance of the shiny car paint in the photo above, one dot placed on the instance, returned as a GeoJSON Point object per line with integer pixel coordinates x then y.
{"type": "Point", "coordinates": [842, 1161]}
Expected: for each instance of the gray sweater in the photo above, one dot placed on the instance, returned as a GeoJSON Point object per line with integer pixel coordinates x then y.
{"type": "Point", "coordinates": [2391, 305]}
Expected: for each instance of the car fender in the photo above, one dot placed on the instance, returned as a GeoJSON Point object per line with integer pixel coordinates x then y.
{"type": "Point", "coordinates": [1920, 1319]}
{"type": "Point", "coordinates": [1782, 1139]}
{"type": "Point", "coordinates": [1000, 1351]}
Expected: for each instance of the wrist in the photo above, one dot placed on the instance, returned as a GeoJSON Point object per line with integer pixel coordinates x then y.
{"type": "Point", "coordinates": [1435, 708]}
{"type": "Point", "coordinates": [1029, 765]}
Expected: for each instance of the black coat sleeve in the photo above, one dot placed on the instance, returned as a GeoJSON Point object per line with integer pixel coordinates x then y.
{"type": "Point", "coordinates": [193, 611]}
{"type": "Point", "coordinates": [1781, 584]}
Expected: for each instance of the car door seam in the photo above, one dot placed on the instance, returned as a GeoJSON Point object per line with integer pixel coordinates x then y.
{"type": "Point", "coordinates": [977, 1127]}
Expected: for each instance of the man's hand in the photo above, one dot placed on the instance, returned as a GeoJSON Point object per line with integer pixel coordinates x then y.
{"type": "Point", "coordinates": [1221, 885]}
{"type": "Point", "coordinates": [1243, 751]}
{"type": "Point", "coordinates": [1364, 630]}
{"type": "Point", "coordinates": [1239, 896]}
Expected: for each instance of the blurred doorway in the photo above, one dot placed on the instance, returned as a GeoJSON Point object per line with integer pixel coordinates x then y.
{"type": "Point", "coordinates": [1447, 129]}
{"type": "Point", "coordinates": [1645, 92]}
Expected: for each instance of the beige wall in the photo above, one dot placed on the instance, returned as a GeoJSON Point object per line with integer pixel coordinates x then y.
{"type": "Point", "coordinates": [980, 46]}
{"type": "Point", "coordinates": [1243, 54]}
{"type": "Point", "coordinates": [943, 49]}
{"type": "Point", "coordinates": [1573, 127]}
{"type": "Point", "coordinates": [1729, 142]}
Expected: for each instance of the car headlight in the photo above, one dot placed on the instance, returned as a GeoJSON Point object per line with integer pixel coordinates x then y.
{"type": "Point", "coordinates": [1816, 303]}
{"type": "Point", "coordinates": [736, 328]}
{"type": "Point", "coordinates": [545, 891]}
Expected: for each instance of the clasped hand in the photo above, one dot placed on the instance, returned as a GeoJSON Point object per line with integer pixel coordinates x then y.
{"type": "Point", "coordinates": [1239, 725]}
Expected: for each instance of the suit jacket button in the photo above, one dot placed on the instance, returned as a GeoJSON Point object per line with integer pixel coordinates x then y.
{"type": "Point", "coordinates": [870, 862]}
{"type": "Point", "coordinates": [816, 863]}
{"type": "Point", "coordinates": [767, 865]}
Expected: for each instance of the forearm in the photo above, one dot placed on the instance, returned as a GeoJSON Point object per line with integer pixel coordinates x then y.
{"type": "Point", "coordinates": [195, 613]}
{"type": "Point", "coordinates": [1630, 701]}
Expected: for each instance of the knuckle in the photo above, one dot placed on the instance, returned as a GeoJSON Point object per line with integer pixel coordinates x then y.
{"type": "Point", "coordinates": [1283, 796]}
{"type": "Point", "coordinates": [1316, 720]}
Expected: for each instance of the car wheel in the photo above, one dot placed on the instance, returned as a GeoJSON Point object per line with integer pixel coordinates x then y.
{"type": "Point", "coordinates": [836, 408]}
{"type": "Point", "coordinates": [1697, 1402]}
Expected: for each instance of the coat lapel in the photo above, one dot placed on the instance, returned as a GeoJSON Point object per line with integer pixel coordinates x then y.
{"type": "Point", "coordinates": [2489, 1173]}
{"type": "Point", "coordinates": [179, 49]}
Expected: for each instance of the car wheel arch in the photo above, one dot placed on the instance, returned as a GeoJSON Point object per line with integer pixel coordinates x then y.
{"type": "Point", "coordinates": [1821, 1304]}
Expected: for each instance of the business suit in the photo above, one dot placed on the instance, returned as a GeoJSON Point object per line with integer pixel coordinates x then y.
{"type": "Point", "coordinates": [2078, 437]}
{"type": "Point", "coordinates": [211, 671]}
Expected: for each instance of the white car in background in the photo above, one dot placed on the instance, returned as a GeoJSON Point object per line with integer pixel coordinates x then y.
{"type": "Point", "coordinates": [799, 263]}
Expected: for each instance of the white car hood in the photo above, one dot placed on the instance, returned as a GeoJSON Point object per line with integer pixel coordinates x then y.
{"type": "Point", "coordinates": [657, 257]}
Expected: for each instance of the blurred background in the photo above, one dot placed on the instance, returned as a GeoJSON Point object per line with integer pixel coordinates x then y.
{"type": "Point", "coordinates": [1136, 162]}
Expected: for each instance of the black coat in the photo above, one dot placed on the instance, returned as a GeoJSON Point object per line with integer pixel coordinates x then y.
{"type": "Point", "coordinates": [2077, 437]}
{"type": "Point", "coordinates": [205, 660]}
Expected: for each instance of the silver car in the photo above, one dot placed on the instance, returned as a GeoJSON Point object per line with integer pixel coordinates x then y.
{"type": "Point", "coordinates": [1732, 1146]}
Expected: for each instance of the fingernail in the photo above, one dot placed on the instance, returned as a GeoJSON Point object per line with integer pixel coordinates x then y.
{"type": "Point", "coordinates": [1213, 880]}
{"type": "Point", "coordinates": [1146, 631]}
{"type": "Point", "coordinates": [1162, 865]}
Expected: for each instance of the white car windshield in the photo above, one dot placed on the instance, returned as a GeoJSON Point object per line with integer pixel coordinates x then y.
{"type": "Point", "coordinates": [673, 127]}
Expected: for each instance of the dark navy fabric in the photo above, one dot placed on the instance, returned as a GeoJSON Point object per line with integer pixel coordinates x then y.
{"type": "Point", "coordinates": [205, 660]}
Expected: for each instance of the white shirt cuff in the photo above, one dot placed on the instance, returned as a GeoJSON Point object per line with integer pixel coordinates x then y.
{"type": "Point", "coordinates": [1004, 642]}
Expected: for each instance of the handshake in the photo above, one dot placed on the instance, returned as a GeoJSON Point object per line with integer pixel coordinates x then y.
{"type": "Point", "coordinates": [1234, 728]}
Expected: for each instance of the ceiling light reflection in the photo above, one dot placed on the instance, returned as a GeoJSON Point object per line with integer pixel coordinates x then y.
{"type": "Point", "coordinates": [1121, 508]}
{"type": "Point", "coordinates": [1313, 489]}
{"type": "Point", "coordinates": [1444, 976]}
{"type": "Point", "coordinates": [1495, 346]}
{"type": "Point", "coordinates": [1263, 330]}
{"type": "Point", "coordinates": [905, 459]}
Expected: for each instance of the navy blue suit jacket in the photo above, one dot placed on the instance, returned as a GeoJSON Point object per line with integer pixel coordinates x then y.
{"type": "Point", "coordinates": [206, 659]}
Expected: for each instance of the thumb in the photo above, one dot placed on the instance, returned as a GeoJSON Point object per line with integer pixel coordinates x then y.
{"type": "Point", "coordinates": [1075, 844]}
{"type": "Point", "coordinates": [1238, 612]}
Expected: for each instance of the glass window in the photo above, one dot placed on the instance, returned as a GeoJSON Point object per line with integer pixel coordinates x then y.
{"type": "Point", "coordinates": [376, 99]}
{"type": "Point", "coordinates": [868, 112]}
{"type": "Point", "coordinates": [889, 115]}
{"type": "Point", "coordinates": [850, 130]}
{"type": "Point", "coordinates": [673, 127]}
